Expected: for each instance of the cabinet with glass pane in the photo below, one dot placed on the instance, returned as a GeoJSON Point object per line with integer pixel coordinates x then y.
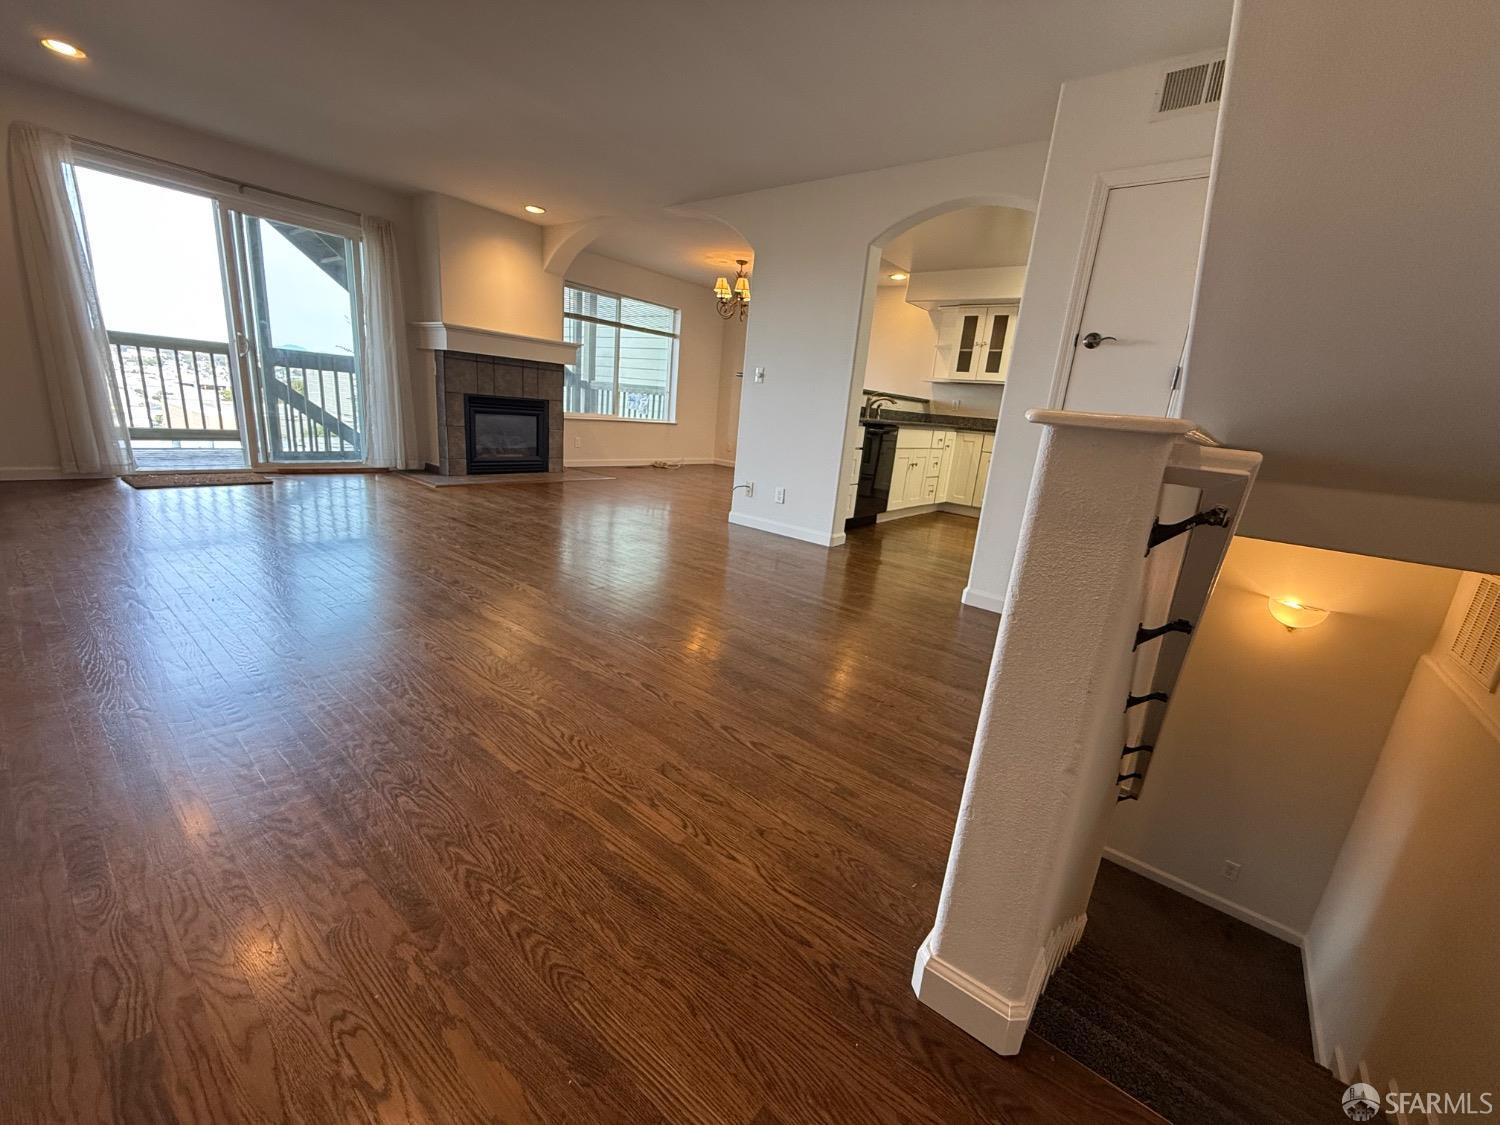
{"type": "Point", "coordinates": [974, 343]}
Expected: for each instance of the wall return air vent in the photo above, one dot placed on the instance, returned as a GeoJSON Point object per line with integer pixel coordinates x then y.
{"type": "Point", "coordinates": [1196, 83]}
{"type": "Point", "coordinates": [1476, 645]}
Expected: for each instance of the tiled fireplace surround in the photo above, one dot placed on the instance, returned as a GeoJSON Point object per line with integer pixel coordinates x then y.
{"type": "Point", "coordinates": [468, 373]}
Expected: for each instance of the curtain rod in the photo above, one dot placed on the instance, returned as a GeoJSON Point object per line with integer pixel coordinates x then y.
{"type": "Point", "coordinates": [239, 185]}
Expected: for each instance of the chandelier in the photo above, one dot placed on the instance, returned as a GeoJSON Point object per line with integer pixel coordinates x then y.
{"type": "Point", "coordinates": [737, 299]}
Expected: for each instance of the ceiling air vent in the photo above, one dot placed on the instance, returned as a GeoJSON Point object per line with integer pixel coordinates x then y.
{"type": "Point", "coordinates": [1476, 645]}
{"type": "Point", "coordinates": [1190, 85]}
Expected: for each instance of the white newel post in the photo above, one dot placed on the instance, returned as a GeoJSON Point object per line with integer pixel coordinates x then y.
{"type": "Point", "coordinates": [1041, 777]}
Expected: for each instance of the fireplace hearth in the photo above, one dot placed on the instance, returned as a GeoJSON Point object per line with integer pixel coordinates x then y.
{"type": "Point", "coordinates": [505, 435]}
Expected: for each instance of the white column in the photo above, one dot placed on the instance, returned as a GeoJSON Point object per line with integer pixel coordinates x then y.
{"type": "Point", "coordinates": [1041, 777]}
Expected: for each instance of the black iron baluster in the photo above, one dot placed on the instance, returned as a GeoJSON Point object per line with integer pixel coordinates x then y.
{"type": "Point", "coordinates": [1143, 634]}
{"type": "Point", "coordinates": [1161, 532]}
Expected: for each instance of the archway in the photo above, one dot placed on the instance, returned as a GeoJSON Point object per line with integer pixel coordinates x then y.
{"type": "Point", "coordinates": [939, 310]}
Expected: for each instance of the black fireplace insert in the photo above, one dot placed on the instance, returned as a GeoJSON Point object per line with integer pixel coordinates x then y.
{"type": "Point", "coordinates": [505, 435]}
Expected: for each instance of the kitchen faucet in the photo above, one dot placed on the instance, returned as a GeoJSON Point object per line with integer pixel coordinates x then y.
{"type": "Point", "coordinates": [874, 403]}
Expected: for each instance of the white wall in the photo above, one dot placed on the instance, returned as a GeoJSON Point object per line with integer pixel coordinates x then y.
{"type": "Point", "coordinates": [1103, 124]}
{"type": "Point", "coordinates": [1351, 269]}
{"type": "Point", "coordinates": [1271, 736]}
{"type": "Point", "coordinates": [27, 443]}
{"type": "Point", "coordinates": [486, 269]}
{"type": "Point", "coordinates": [813, 270]}
{"type": "Point", "coordinates": [700, 350]}
{"type": "Point", "coordinates": [1402, 971]}
{"type": "Point", "coordinates": [731, 383]}
{"type": "Point", "coordinates": [903, 342]}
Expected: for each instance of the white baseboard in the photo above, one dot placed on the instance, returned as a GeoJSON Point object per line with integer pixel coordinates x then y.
{"type": "Point", "coordinates": [1208, 898]}
{"type": "Point", "coordinates": [927, 509]}
{"type": "Point", "coordinates": [981, 600]}
{"type": "Point", "coordinates": [634, 462]}
{"type": "Point", "coordinates": [890, 516]}
{"type": "Point", "coordinates": [997, 1021]}
{"type": "Point", "coordinates": [789, 530]}
{"type": "Point", "coordinates": [44, 472]}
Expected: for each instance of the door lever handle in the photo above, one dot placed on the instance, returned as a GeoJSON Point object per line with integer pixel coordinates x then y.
{"type": "Point", "coordinates": [1093, 340]}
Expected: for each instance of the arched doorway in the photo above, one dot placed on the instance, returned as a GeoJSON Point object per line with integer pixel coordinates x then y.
{"type": "Point", "coordinates": [942, 304]}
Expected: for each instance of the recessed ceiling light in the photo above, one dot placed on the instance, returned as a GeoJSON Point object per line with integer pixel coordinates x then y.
{"type": "Point", "coordinates": [899, 276]}
{"type": "Point", "coordinates": [535, 210]}
{"type": "Point", "coordinates": [64, 48]}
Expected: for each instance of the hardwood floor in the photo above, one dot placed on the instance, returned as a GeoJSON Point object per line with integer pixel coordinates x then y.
{"type": "Point", "coordinates": [346, 799]}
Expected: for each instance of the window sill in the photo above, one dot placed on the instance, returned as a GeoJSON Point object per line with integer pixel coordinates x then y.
{"type": "Point", "coordinates": [616, 418]}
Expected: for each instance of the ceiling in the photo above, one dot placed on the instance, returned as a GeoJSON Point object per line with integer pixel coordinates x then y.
{"type": "Point", "coordinates": [969, 238]}
{"type": "Point", "coordinates": [594, 107]}
{"type": "Point", "coordinates": [692, 249]}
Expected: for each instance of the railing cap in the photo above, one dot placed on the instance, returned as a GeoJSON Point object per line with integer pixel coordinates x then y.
{"type": "Point", "coordinates": [1123, 423]}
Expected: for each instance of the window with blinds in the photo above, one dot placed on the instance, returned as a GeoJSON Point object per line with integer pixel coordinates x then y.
{"type": "Point", "coordinates": [627, 358]}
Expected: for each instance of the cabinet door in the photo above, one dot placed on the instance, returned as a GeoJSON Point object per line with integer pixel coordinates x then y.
{"type": "Point", "coordinates": [945, 466]}
{"type": "Point", "coordinates": [959, 338]}
{"type": "Point", "coordinates": [933, 464]}
{"type": "Point", "coordinates": [965, 467]}
{"type": "Point", "coordinates": [900, 470]}
{"type": "Point", "coordinates": [981, 479]}
{"type": "Point", "coordinates": [994, 351]}
{"type": "Point", "coordinates": [915, 475]}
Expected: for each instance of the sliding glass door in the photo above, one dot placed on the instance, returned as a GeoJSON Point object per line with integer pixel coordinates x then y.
{"type": "Point", "coordinates": [300, 295]}
{"type": "Point", "coordinates": [234, 327]}
{"type": "Point", "coordinates": [158, 274]}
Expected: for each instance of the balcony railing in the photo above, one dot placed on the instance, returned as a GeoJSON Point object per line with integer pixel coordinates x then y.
{"type": "Point", "coordinates": [641, 404]}
{"type": "Point", "coordinates": [176, 389]}
{"type": "Point", "coordinates": [317, 412]}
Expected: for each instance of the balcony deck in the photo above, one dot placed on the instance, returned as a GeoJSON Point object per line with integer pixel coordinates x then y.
{"type": "Point", "coordinates": [186, 460]}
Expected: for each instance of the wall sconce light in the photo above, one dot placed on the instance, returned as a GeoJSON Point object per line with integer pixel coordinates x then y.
{"type": "Point", "coordinates": [1294, 615]}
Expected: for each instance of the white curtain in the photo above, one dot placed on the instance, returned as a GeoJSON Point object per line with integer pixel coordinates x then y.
{"type": "Point", "coordinates": [391, 431]}
{"type": "Point", "coordinates": [73, 345]}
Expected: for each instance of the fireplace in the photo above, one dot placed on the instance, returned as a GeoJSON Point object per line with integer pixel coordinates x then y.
{"type": "Point", "coordinates": [505, 435]}
{"type": "Point", "coordinates": [498, 415]}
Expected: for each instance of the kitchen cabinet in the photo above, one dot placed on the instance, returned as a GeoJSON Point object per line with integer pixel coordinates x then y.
{"type": "Point", "coordinates": [974, 343]}
{"type": "Point", "coordinates": [981, 479]}
{"type": "Point", "coordinates": [967, 449]}
{"type": "Point", "coordinates": [939, 466]}
{"type": "Point", "coordinates": [907, 476]}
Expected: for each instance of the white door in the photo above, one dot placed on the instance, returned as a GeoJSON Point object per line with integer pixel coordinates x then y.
{"type": "Point", "coordinates": [1140, 293]}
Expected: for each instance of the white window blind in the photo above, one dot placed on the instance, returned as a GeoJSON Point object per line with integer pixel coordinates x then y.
{"type": "Point", "coordinates": [627, 359]}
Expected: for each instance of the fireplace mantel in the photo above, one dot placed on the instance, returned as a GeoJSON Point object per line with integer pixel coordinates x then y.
{"type": "Point", "coordinates": [440, 336]}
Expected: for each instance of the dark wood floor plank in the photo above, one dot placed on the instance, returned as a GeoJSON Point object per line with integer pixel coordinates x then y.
{"type": "Point", "coordinates": [529, 804]}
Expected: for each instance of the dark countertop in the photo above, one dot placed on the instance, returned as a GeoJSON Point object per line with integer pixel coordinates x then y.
{"type": "Point", "coordinates": [926, 421]}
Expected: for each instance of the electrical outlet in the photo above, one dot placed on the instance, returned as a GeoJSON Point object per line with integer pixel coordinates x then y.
{"type": "Point", "coordinates": [781, 496]}
{"type": "Point", "coordinates": [577, 442]}
{"type": "Point", "coordinates": [1230, 870]}
{"type": "Point", "coordinates": [749, 488]}
{"type": "Point", "coordinates": [760, 374]}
